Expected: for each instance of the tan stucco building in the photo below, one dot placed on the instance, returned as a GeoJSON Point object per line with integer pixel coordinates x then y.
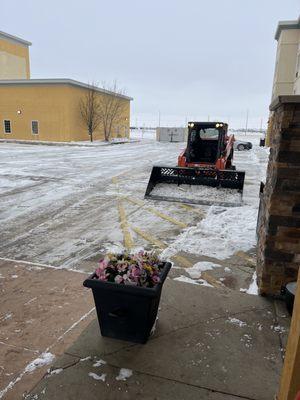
{"type": "Point", "coordinates": [14, 57]}
{"type": "Point", "coordinates": [287, 66]}
{"type": "Point", "coordinates": [48, 110]}
{"type": "Point", "coordinates": [45, 109]}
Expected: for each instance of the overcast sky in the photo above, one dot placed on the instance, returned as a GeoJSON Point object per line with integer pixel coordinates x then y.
{"type": "Point", "coordinates": [188, 59]}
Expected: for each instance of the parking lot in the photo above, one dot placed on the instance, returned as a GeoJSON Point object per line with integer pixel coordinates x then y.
{"type": "Point", "coordinates": [63, 207]}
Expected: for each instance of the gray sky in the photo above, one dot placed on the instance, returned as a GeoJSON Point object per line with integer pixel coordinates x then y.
{"type": "Point", "coordinates": [190, 59]}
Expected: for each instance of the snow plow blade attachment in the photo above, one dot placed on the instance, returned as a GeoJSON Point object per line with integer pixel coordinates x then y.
{"type": "Point", "coordinates": [227, 179]}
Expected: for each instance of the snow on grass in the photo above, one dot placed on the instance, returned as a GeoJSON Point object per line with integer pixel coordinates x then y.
{"type": "Point", "coordinates": [236, 321]}
{"type": "Point", "coordinates": [220, 234]}
{"type": "Point", "coordinates": [186, 279]}
{"type": "Point", "coordinates": [101, 377]}
{"type": "Point", "coordinates": [124, 374]}
{"type": "Point", "coordinates": [253, 288]}
{"type": "Point", "coordinates": [44, 359]}
{"type": "Point", "coordinates": [195, 271]}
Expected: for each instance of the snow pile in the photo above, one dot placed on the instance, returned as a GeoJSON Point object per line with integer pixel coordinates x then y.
{"type": "Point", "coordinates": [124, 374]}
{"type": "Point", "coordinates": [197, 192]}
{"type": "Point", "coordinates": [185, 279]}
{"type": "Point", "coordinates": [253, 288]}
{"type": "Point", "coordinates": [44, 359]}
{"type": "Point", "coordinates": [236, 321]}
{"type": "Point", "coordinates": [195, 271]}
{"type": "Point", "coordinates": [97, 377]}
{"type": "Point", "coordinates": [6, 317]}
{"type": "Point", "coordinates": [220, 234]}
{"type": "Point", "coordinates": [85, 359]}
{"type": "Point", "coordinates": [98, 363]}
{"type": "Point", "coordinates": [56, 371]}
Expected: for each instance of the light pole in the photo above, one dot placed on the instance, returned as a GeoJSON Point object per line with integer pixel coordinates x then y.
{"type": "Point", "coordinates": [246, 127]}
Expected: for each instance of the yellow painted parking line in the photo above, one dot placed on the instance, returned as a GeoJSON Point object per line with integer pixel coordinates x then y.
{"type": "Point", "coordinates": [156, 212]}
{"type": "Point", "coordinates": [192, 209]}
{"type": "Point", "coordinates": [245, 257]}
{"type": "Point", "coordinates": [149, 238]}
{"type": "Point", "coordinates": [183, 261]}
{"type": "Point", "coordinates": [128, 242]}
{"type": "Point", "coordinates": [114, 179]}
{"type": "Point", "coordinates": [179, 259]}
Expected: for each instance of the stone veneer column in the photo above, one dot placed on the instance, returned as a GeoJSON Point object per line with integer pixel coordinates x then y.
{"type": "Point", "coordinates": [278, 254]}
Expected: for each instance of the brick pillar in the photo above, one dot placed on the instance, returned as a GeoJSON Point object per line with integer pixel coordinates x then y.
{"type": "Point", "coordinates": [278, 254]}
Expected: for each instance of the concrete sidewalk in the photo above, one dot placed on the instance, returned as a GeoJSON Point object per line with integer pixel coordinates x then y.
{"type": "Point", "coordinates": [208, 344]}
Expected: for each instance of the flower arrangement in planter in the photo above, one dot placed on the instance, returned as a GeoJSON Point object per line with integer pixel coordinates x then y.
{"type": "Point", "coordinates": [126, 289]}
{"type": "Point", "coordinates": [140, 269]}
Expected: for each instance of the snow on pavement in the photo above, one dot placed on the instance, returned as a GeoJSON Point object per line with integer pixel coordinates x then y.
{"type": "Point", "coordinates": [220, 234]}
{"type": "Point", "coordinates": [65, 195]}
{"type": "Point", "coordinates": [196, 270]}
{"type": "Point", "coordinates": [124, 374]}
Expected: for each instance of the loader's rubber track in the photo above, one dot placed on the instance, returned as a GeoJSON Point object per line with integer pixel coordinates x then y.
{"type": "Point", "coordinates": [196, 176]}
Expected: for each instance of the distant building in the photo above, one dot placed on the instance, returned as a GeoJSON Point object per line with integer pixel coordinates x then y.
{"type": "Point", "coordinates": [171, 134]}
{"type": "Point", "coordinates": [44, 109]}
{"type": "Point", "coordinates": [14, 57]}
{"type": "Point", "coordinates": [287, 67]}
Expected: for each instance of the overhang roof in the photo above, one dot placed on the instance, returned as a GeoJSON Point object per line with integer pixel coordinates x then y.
{"type": "Point", "coordinates": [282, 25]}
{"type": "Point", "coordinates": [61, 81]}
{"type": "Point", "coordinates": [15, 39]}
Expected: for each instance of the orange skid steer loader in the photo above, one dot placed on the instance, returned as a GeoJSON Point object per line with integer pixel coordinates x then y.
{"type": "Point", "coordinates": [206, 161]}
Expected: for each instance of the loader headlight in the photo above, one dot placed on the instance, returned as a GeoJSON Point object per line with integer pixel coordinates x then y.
{"type": "Point", "coordinates": [191, 125]}
{"type": "Point", "coordinates": [217, 125]}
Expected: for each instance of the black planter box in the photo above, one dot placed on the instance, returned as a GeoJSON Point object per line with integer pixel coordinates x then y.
{"type": "Point", "coordinates": [126, 312]}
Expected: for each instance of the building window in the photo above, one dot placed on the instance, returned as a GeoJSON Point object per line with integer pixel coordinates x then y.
{"type": "Point", "coordinates": [35, 127]}
{"type": "Point", "coordinates": [7, 126]}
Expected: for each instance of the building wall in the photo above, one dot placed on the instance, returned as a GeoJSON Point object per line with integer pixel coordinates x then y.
{"type": "Point", "coordinates": [14, 60]}
{"type": "Point", "coordinates": [287, 69]}
{"type": "Point", "coordinates": [286, 63]}
{"type": "Point", "coordinates": [46, 104]}
{"type": "Point", "coordinates": [278, 228]}
{"type": "Point", "coordinates": [78, 130]}
{"type": "Point", "coordinates": [55, 107]}
{"type": "Point", "coordinates": [297, 73]}
{"type": "Point", "coordinates": [171, 134]}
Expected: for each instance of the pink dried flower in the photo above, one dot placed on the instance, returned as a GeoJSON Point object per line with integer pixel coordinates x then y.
{"type": "Point", "coordinates": [140, 269]}
{"type": "Point", "coordinates": [118, 279]}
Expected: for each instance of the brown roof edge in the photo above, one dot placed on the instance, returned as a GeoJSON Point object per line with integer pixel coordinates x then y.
{"type": "Point", "coordinates": [287, 99]}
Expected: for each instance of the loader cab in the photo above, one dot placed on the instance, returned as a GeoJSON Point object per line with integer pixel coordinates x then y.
{"type": "Point", "coordinates": [206, 142]}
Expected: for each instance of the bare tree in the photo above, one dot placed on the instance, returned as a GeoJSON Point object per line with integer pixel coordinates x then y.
{"type": "Point", "coordinates": [111, 108]}
{"type": "Point", "coordinates": [89, 107]}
